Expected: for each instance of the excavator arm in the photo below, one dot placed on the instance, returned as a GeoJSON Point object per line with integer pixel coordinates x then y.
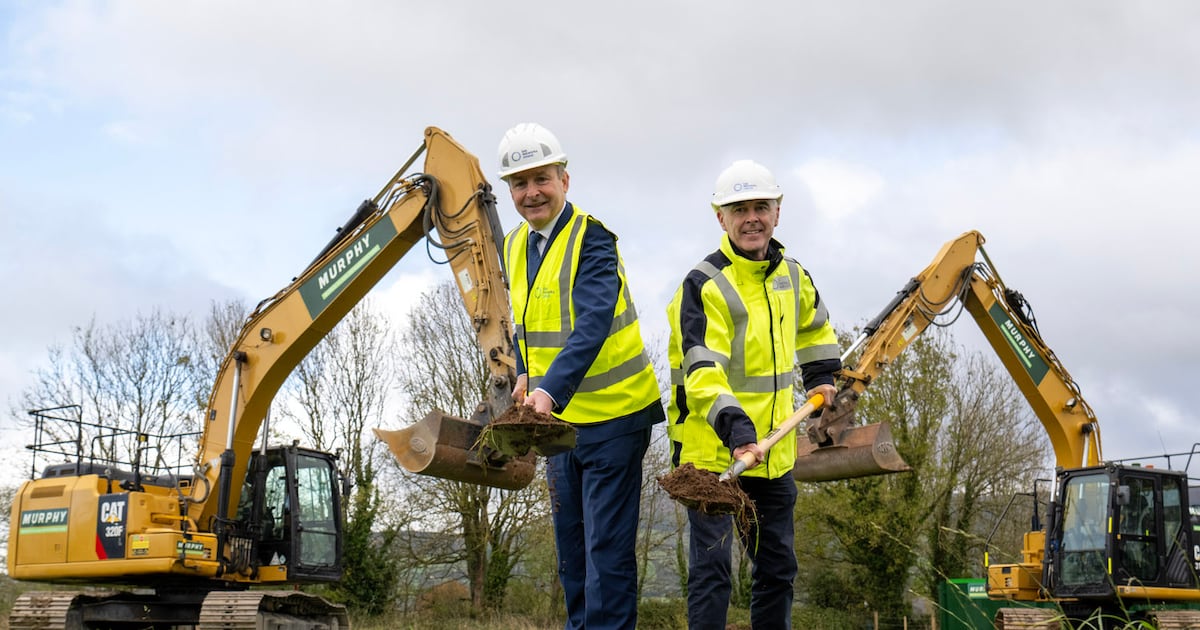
{"type": "Point", "coordinates": [1114, 545]}
{"type": "Point", "coordinates": [960, 276]}
{"type": "Point", "coordinates": [451, 204]}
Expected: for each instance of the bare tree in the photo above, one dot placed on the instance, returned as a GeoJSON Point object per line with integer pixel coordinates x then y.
{"type": "Point", "coordinates": [443, 368]}
{"type": "Point", "coordinates": [129, 378]}
{"type": "Point", "coordinates": [214, 341]}
{"type": "Point", "coordinates": [343, 386]}
{"type": "Point", "coordinates": [338, 390]}
{"type": "Point", "coordinates": [663, 522]}
{"type": "Point", "coordinates": [992, 449]}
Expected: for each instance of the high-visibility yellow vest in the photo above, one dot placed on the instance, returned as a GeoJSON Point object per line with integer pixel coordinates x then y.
{"type": "Point", "coordinates": [754, 327]}
{"type": "Point", "coordinates": [621, 380]}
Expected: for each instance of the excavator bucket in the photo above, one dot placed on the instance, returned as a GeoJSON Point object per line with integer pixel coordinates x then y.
{"type": "Point", "coordinates": [448, 447]}
{"type": "Point", "coordinates": [855, 452]}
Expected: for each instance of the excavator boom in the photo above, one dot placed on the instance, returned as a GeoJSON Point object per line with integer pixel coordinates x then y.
{"type": "Point", "coordinates": [956, 278]}
{"type": "Point", "coordinates": [452, 196]}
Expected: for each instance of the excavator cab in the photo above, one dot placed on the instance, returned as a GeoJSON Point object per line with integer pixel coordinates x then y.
{"type": "Point", "coordinates": [1119, 530]}
{"type": "Point", "coordinates": [289, 514]}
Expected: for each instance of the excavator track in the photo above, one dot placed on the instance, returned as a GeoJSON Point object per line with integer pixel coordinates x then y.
{"type": "Point", "coordinates": [277, 610]}
{"type": "Point", "coordinates": [1175, 619]}
{"type": "Point", "coordinates": [220, 610]}
{"type": "Point", "coordinates": [41, 610]}
{"type": "Point", "coordinates": [1028, 619]}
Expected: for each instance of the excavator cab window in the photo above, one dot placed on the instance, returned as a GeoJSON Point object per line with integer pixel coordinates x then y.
{"type": "Point", "coordinates": [1138, 532]}
{"type": "Point", "coordinates": [317, 525]}
{"type": "Point", "coordinates": [1085, 524]}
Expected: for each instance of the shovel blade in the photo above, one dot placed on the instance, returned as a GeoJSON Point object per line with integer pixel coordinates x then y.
{"type": "Point", "coordinates": [855, 452]}
{"type": "Point", "coordinates": [447, 447]}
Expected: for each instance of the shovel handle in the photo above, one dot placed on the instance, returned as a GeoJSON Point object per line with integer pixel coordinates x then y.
{"type": "Point", "coordinates": [740, 465]}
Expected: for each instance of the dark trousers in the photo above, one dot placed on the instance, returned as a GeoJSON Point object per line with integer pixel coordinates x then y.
{"type": "Point", "coordinates": [770, 543]}
{"type": "Point", "coordinates": [595, 494]}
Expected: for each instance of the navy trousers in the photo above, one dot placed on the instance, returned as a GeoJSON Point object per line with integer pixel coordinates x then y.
{"type": "Point", "coordinates": [770, 544]}
{"type": "Point", "coordinates": [595, 495]}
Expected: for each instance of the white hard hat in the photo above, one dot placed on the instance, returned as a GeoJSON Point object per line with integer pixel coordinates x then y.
{"type": "Point", "coordinates": [744, 180]}
{"type": "Point", "coordinates": [526, 146]}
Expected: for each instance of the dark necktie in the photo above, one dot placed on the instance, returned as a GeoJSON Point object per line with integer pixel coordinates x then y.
{"type": "Point", "coordinates": [535, 255]}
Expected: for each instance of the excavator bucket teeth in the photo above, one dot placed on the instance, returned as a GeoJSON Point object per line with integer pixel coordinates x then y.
{"type": "Point", "coordinates": [855, 452]}
{"type": "Point", "coordinates": [448, 447]}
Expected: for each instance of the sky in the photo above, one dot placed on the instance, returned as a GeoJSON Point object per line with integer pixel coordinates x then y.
{"type": "Point", "coordinates": [168, 154]}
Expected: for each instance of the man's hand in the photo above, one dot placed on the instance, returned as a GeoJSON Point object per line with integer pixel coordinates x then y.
{"type": "Point", "coordinates": [518, 392]}
{"type": "Point", "coordinates": [826, 391]}
{"type": "Point", "coordinates": [751, 448]}
{"type": "Point", "coordinates": [540, 401]}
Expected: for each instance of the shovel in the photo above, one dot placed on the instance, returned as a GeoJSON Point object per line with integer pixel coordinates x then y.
{"type": "Point", "coordinates": [740, 465]}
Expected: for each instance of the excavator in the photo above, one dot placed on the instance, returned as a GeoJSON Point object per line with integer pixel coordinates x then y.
{"type": "Point", "coordinates": [1117, 545]}
{"type": "Point", "coordinates": [182, 549]}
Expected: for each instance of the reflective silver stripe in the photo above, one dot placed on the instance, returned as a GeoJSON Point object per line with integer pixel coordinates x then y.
{"type": "Point", "coordinates": [708, 269]}
{"type": "Point", "coordinates": [677, 376]}
{"type": "Point", "coordinates": [508, 247]}
{"type": "Point", "coordinates": [617, 374]}
{"type": "Point", "coordinates": [735, 364]}
{"type": "Point", "coordinates": [794, 271]}
{"type": "Point", "coordinates": [564, 277]}
{"type": "Point", "coordinates": [819, 318]}
{"type": "Point", "coordinates": [724, 401]}
{"type": "Point", "coordinates": [700, 353]}
{"type": "Point", "coordinates": [817, 353]}
{"type": "Point", "coordinates": [762, 384]}
{"type": "Point", "coordinates": [554, 339]}
{"type": "Point", "coordinates": [737, 312]}
{"type": "Point", "coordinates": [620, 322]}
{"type": "Point", "coordinates": [753, 384]}
{"type": "Point", "coordinates": [534, 381]}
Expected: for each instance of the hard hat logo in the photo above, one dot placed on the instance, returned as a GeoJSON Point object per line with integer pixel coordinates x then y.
{"type": "Point", "coordinates": [526, 146]}
{"type": "Point", "coordinates": [739, 187]}
{"type": "Point", "coordinates": [525, 154]}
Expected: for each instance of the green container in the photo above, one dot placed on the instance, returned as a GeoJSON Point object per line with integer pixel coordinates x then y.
{"type": "Point", "coordinates": [963, 604]}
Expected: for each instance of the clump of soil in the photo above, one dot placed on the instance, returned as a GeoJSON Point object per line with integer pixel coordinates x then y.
{"type": "Point", "coordinates": [522, 428]}
{"type": "Point", "coordinates": [701, 490]}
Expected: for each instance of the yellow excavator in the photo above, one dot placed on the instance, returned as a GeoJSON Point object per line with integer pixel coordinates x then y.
{"type": "Point", "coordinates": [1117, 545]}
{"type": "Point", "coordinates": [189, 546]}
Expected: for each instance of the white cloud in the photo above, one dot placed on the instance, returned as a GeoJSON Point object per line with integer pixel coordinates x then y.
{"type": "Point", "coordinates": [838, 189]}
{"type": "Point", "coordinates": [240, 134]}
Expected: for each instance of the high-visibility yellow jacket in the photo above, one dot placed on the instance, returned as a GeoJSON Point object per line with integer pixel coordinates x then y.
{"type": "Point", "coordinates": [738, 328]}
{"type": "Point", "coordinates": [620, 381]}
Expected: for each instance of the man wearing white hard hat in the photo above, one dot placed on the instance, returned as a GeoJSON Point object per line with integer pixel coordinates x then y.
{"type": "Point", "coordinates": [740, 321]}
{"type": "Point", "coordinates": [580, 357]}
